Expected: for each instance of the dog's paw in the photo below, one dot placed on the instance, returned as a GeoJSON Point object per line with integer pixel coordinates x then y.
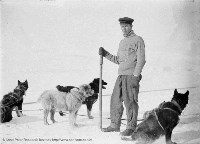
{"type": "Point", "coordinates": [19, 114]}
{"type": "Point", "coordinates": [61, 113]}
{"type": "Point", "coordinates": [23, 115]}
{"type": "Point", "coordinates": [90, 117]}
{"type": "Point", "coordinates": [170, 142]}
{"type": "Point", "coordinates": [46, 123]}
{"type": "Point", "coordinates": [75, 125]}
{"type": "Point", "coordinates": [125, 138]}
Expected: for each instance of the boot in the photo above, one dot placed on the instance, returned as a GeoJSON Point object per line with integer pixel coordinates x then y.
{"type": "Point", "coordinates": [110, 129]}
{"type": "Point", "coordinates": [127, 132]}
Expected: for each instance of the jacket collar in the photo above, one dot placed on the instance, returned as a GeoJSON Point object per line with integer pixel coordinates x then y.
{"type": "Point", "coordinates": [131, 33]}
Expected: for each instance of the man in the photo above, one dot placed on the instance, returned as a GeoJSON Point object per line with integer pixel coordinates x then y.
{"type": "Point", "coordinates": [131, 59]}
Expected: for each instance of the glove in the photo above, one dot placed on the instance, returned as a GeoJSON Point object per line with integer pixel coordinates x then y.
{"type": "Point", "coordinates": [102, 51]}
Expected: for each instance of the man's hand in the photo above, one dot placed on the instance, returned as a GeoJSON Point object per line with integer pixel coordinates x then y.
{"type": "Point", "coordinates": [135, 81]}
{"type": "Point", "coordinates": [102, 51]}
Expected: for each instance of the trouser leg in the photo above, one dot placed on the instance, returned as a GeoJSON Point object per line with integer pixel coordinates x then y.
{"type": "Point", "coordinates": [130, 98]}
{"type": "Point", "coordinates": [116, 105]}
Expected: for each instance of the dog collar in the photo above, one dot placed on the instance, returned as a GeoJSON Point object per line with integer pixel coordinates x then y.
{"type": "Point", "coordinates": [177, 105]}
{"type": "Point", "coordinates": [75, 93]}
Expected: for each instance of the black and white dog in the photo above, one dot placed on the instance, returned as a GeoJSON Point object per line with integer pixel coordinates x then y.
{"type": "Point", "coordinates": [13, 100]}
{"type": "Point", "coordinates": [89, 101]}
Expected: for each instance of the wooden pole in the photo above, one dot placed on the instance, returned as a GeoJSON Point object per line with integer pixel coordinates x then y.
{"type": "Point", "coordinates": [100, 92]}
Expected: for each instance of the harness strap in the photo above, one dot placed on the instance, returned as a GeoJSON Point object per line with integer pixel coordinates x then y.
{"type": "Point", "coordinates": [176, 104]}
{"type": "Point", "coordinates": [157, 116]}
{"type": "Point", "coordinates": [13, 96]}
{"type": "Point", "coordinates": [9, 104]}
{"type": "Point", "coordinates": [75, 95]}
{"type": "Point", "coordinates": [157, 119]}
{"type": "Point", "coordinates": [170, 110]}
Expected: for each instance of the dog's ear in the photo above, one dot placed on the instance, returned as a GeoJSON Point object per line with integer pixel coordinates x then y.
{"type": "Point", "coordinates": [26, 82]}
{"type": "Point", "coordinates": [19, 83]}
{"type": "Point", "coordinates": [187, 93]}
{"type": "Point", "coordinates": [175, 92]}
{"type": "Point", "coordinates": [96, 80]}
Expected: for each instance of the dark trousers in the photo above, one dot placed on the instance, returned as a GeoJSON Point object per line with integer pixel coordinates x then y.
{"type": "Point", "coordinates": [124, 92]}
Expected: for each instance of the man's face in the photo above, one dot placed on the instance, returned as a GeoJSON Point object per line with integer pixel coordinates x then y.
{"type": "Point", "coordinates": [126, 28]}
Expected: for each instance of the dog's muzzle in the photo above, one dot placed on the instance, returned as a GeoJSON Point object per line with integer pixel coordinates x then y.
{"type": "Point", "coordinates": [90, 93]}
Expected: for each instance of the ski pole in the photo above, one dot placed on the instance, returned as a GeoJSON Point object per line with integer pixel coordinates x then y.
{"type": "Point", "coordinates": [100, 92]}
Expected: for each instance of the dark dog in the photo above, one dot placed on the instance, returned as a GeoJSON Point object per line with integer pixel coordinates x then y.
{"type": "Point", "coordinates": [89, 101]}
{"type": "Point", "coordinates": [162, 120]}
{"type": "Point", "coordinates": [13, 100]}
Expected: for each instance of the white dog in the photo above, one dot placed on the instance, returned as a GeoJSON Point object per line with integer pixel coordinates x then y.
{"type": "Point", "coordinates": [53, 100]}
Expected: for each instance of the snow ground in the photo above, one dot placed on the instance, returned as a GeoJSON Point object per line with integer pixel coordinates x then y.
{"type": "Point", "coordinates": [30, 128]}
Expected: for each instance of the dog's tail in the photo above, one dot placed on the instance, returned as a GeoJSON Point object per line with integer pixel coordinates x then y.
{"type": "Point", "coordinates": [47, 101]}
{"type": "Point", "coordinates": [40, 98]}
{"type": "Point", "coordinates": [126, 138]}
{"type": "Point", "coordinates": [60, 88]}
{"type": "Point", "coordinates": [64, 89]}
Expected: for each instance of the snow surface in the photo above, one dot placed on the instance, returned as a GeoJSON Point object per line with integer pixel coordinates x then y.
{"type": "Point", "coordinates": [30, 128]}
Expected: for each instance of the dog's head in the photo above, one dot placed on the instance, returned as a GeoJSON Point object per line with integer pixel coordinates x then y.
{"type": "Point", "coordinates": [21, 88]}
{"type": "Point", "coordinates": [95, 85]}
{"type": "Point", "coordinates": [86, 90]}
{"type": "Point", "coordinates": [23, 85]}
{"type": "Point", "coordinates": [181, 99]}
